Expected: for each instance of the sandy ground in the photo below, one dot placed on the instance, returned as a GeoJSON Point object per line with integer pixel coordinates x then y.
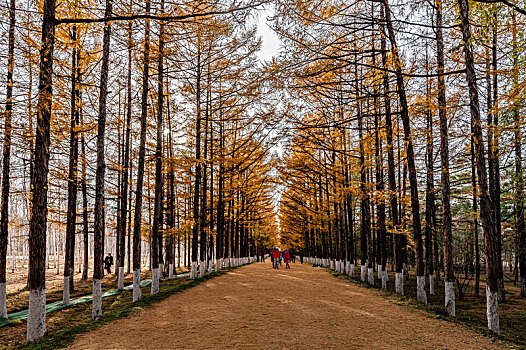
{"type": "Point", "coordinates": [301, 308]}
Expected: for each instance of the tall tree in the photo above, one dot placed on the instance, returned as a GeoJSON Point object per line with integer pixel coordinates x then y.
{"type": "Point", "coordinates": [488, 224]}
{"type": "Point", "coordinates": [4, 201]}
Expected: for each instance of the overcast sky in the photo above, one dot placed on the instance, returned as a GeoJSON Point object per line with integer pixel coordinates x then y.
{"type": "Point", "coordinates": [271, 42]}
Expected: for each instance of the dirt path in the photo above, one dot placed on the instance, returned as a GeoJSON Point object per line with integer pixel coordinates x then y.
{"type": "Point", "coordinates": [301, 308]}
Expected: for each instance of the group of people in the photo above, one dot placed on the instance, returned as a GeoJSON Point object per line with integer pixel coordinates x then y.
{"type": "Point", "coordinates": [276, 256]}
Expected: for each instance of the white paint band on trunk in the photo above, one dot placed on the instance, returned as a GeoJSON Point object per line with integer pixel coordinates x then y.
{"type": "Point", "coordinates": [170, 271]}
{"type": "Point", "coordinates": [96, 308]}
{"type": "Point", "coordinates": [202, 268]}
{"type": "Point", "coordinates": [370, 275]}
{"type": "Point", "coordinates": [210, 266]}
{"type": "Point", "coordinates": [384, 278]}
{"type": "Point", "coordinates": [193, 270]}
{"type": "Point", "coordinates": [421, 289]}
{"type": "Point", "coordinates": [351, 271]}
{"type": "Point", "coordinates": [155, 281]}
{"type": "Point", "coordinates": [65, 291]}
{"type": "Point", "coordinates": [399, 283]}
{"type": "Point", "coordinates": [120, 282]}
{"type": "Point", "coordinates": [380, 272]}
{"type": "Point", "coordinates": [449, 297]}
{"type": "Point", "coordinates": [36, 316]}
{"type": "Point", "coordinates": [363, 269]}
{"type": "Point", "coordinates": [136, 284]}
{"type": "Point", "coordinates": [3, 300]}
{"type": "Point", "coordinates": [431, 284]}
{"type": "Point", "coordinates": [492, 303]}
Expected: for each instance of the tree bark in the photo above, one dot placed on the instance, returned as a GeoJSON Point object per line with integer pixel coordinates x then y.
{"type": "Point", "coordinates": [4, 205]}
{"type": "Point", "coordinates": [36, 321]}
{"type": "Point", "coordinates": [99, 220]}
{"type": "Point", "coordinates": [411, 167]}
{"type": "Point", "coordinates": [137, 219]}
{"type": "Point", "coordinates": [71, 220]}
{"type": "Point", "coordinates": [488, 224]}
{"type": "Point", "coordinates": [156, 276]}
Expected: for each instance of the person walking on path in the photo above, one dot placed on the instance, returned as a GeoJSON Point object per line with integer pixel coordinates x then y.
{"type": "Point", "coordinates": [276, 257]}
{"type": "Point", "coordinates": [286, 257]}
{"type": "Point", "coordinates": [108, 262]}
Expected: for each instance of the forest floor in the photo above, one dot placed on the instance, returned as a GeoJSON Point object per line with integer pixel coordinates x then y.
{"type": "Point", "coordinates": [64, 324]}
{"type": "Point", "coordinates": [301, 308]}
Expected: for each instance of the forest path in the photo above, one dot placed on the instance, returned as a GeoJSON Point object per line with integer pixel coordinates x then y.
{"type": "Point", "coordinates": [298, 308]}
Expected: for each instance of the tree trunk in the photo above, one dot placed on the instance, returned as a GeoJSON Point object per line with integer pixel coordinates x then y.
{"type": "Point", "coordinates": [84, 189]}
{"type": "Point", "coordinates": [126, 168]}
{"type": "Point", "coordinates": [36, 320]}
{"type": "Point", "coordinates": [99, 220]}
{"type": "Point", "coordinates": [197, 184]}
{"type": "Point", "coordinates": [449, 277]}
{"type": "Point", "coordinates": [393, 200]}
{"type": "Point", "coordinates": [4, 205]}
{"type": "Point", "coordinates": [158, 205]}
{"type": "Point", "coordinates": [488, 224]}
{"type": "Point", "coordinates": [519, 178]}
{"type": "Point", "coordinates": [71, 220]}
{"type": "Point", "coordinates": [415, 205]}
{"type": "Point", "coordinates": [137, 219]}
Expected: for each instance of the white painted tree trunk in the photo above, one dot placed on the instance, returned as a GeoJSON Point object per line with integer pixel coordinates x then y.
{"type": "Point", "coordinates": [431, 284]}
{"type": "Point", "coordinates": [384, 278]}
{"type": "Point", "coordinates": [380, 272]}
{"type": "Point", "coordinates": [136, 284]}
{"type": "Point", "coordinates": [193, 270]}
{"type": "Point", "coordinates": [347, 267]}
{"type": "Point", "coordinates": [65, 291]}
{"type": "Point", "coordinates": [170, 271]}
{"type": "Point", "coordinates": [155, 281]}
{"type": "Point", "coordinates": [449, 298]}
{"type": "Point", "coordinates": [370, 274]}
{"type": "Point", "coordinates": [421, 289]}
{"type": "Point", "coordinates": [492, 311]}
{"type": "Point", "coordinates": [120, 279]}
{"type": "Point", "coordinates": [3, 300]}
{"type": "Point", "coordinates": [332, 264]}
{"type": "Point", "coordinates": [363, 269]}
{"type": "Point", "coordinates": [399, 283]}
{"type": "Point", "coordinates": [96, 310]}
{"type": "Point", "coordinates": [351, 271]}
{"type": "Point", "coordinates": [36, 317]}
{"type": "Point", "coordinates": [202, 269]}
{"type": "Point", "coordinates": [219, 265]}
{"type": "Point", "coordinates": [210, 266]}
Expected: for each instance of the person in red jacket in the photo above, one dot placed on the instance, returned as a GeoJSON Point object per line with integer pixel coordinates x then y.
{"type": "Point", "coordinates": [276, 255]}
{"type": "Point", "coordinates": [286, 257]}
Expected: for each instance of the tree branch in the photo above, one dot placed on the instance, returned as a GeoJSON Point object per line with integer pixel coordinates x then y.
{"type": "Point", "coordinates": [179, 18]}
{"type": "Point", "coordinates": [505, 2]}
